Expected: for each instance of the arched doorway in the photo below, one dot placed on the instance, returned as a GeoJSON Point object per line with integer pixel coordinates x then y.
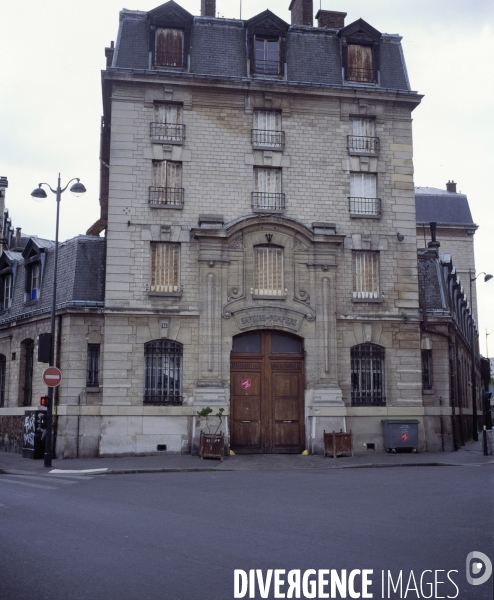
{"type": "Point", "coordinates": [267, 393]}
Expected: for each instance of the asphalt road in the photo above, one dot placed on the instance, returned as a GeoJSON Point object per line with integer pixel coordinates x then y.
{"type": "Point", "coordinates": [180, 536]}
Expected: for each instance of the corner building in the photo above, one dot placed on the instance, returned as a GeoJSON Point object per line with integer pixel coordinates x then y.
{"type": "Point", "coordinates": [258, 196]}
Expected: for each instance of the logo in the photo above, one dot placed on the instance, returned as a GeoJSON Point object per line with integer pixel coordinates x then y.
{"type": "Point", "coordinates": [246, 384]}
{"type": "Point", "coordinates": [404, 437]}
{"type": "Point", "coordinates": [474, 568]}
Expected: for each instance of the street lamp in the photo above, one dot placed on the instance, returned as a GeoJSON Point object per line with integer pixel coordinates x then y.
{"type": "Point", "coordinates": [472, 375]}
{"type": "Point", "coordinates": [39, 194]}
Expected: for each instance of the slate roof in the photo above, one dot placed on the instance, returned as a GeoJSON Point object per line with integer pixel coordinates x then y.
{"type": "Point", "coordinates": [81, 276]}
{"type": "Point", "coordinates": [218, 48]}
{"type": "Point", "coordinates": [446, 208]}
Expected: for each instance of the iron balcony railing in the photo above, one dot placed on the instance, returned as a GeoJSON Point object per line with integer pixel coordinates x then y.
{"type": "Point", "coordinates": [169, 59]}
{"type": "Point", "coordinates": [359, 74]}
{"type": "Point", "coordinates": [267, 67]}
{"type": "Point", "coordinates": [267, 201]}
{"type": "Point", "coordinates": [166, 196]}
{"type": "Point", "coordinates": [362, 144]}
{"type": "Point", "coordinates": [168, 132]}
{"type": "Point", "coordinates": [368, 398]}
{"type": "Point", "coordinates": [365, 206]}
{"type": "Point", "coordinates": [268, 139]}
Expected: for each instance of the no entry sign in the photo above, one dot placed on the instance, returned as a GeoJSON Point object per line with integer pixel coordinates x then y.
{"type": "Point", "coordinates": [52, 376]}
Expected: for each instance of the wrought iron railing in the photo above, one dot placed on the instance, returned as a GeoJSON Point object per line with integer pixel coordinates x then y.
{"type": "Point", "coordinates": [359, 74]}
{"type": "Point", "coordinates": [267, 201]}
{"type": "Point", "coordinates": [365, 206]}
{"type": "Point", "coordinates": [166, 196]}
{"type": "Point", "coordinates": [169, 59]}
{"type": "Point", "coordinates": [267, 67]}
{"type": "Point", "coordinates": [362, 144]}
{"type": "Point", "coordinates": [268, 139]}
{"type": "Point", "coordinates": [168, 132]}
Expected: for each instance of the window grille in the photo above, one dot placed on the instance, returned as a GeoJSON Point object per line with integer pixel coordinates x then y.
{"type": "Point", "coordinates": [28, 372]}
{"type": "Point", "coordinates": [93, 354]}
{"type": "Point", "coordinates": [360, 66]}
{"type": "Point", "coordinates": [2, 379]}
{"type": "Point", "coordinates": [165, 267]}
{"type": "Point", "coordinates": [167, 125]}
{"type": "Point", "coordinates": [267, 57]}
{"type": "Point", "coordinates": [163, 372]}
{"type": "Point", "coordinates": [167, 182]}
{"type": "Point", "coordinates": [366, 275]}
{"type": "Point", "coordinates": [427, 369]}
{"type": "Point", "coordinates": [367, 375]}
{"type": "Point", "coordinates": [267, 129]}
{"type": "Point", "coordinates": [268, 271]}
{"type": "Point", "coordinates": [169, 48]}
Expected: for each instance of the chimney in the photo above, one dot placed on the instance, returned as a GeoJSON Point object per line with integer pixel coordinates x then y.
{"type": "Point", "coordinates": [4, 184]}
{"type": "Point", "coordinates": [208, 8]}
{"type": "Point", "coordinates": [302, 12]}
{"type": "Point", "coordinates": [18, 240]}
{"type": "Point", "coordinates": [451, 186]}
{"type": "Point", "coordinates": [109, 52]}
{"type": "Point", "coordinates": [433, 243]}
{"type": "Point", "coordinates": [330, 19]}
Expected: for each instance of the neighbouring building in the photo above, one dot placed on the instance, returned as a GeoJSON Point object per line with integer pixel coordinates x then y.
{"type": "Point", "coordinates": [258, 203]}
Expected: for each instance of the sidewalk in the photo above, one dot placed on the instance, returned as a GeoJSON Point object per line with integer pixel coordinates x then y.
{"type": "Point", "coordinates": [470, 455]}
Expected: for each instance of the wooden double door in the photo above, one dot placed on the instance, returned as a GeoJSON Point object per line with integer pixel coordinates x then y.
{"type": "Point", "coordinates": [267, 393]}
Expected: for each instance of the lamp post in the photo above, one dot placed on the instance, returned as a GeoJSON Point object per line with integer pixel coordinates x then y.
{"type": "Point", "coordinates": [486, 346]}
{"type": "Point", "coordinates": [472, 349]}
{"type": "Point", "coordinates": [39, 194]}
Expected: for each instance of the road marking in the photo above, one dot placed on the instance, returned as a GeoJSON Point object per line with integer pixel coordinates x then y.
{"type": "Point", "coordinates": [34, 485]}
{"type": "Point", "coordinates": [60, 477]}
{"type": "Point", "coordinates": [78, 470]}
{"type": "Point", "coordinates": [41, 478]}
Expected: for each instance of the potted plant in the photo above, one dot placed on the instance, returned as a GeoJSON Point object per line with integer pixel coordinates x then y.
{"type": "Point", "coordinates": [211, 445]}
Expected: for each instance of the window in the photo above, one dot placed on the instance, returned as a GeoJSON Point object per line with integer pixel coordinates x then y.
{"type": "Point", "coordinates": [167, 190]}
{"type": "Point", "coordinates": [163, 372]}
{"type": "Point", "coordinates": [366, 275]}
{"type": "Point", "coordinates": [2, 379]}
{"type": "Point", "coordinates": [165, 267]}
{"type": "Point", "coordinates": [26, 371]}
{"type": "Point", "coordinates": [267, 56]}
{"type": "Point", "coordinates": [367, 375]}
{"type": "Point", "coordinates": [363, 195]}
{"type": "Point", "coordinates": [32, 282]}
{"type": "Point", "coordinates": [167, 126]}
{"type": "Point", "coordinates": [268, 271]}
{"type": "Point", "coordinates": [360, 66]}
{"type": "Point", "coordinates": [267, 194]}
{"type": "Point", "coordinates": [6, 292]}
{"type": "Point", "coordinates": [267, 129]}
{"type": "Point", "coordinates": [169, 48]}
{"type": "Point", "coordinates": [92, 376]}
{"type": "Point", "coordinates": [427, 369]}
{"type": "Point", "coordinates": [363, 138]}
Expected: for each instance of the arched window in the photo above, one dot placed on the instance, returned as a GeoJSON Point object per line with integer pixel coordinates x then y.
{"type": "Point", "coordinates": [2, 379]}
{"type": "Point", "coordinates": [368, 375]}
{"type": "Point", "coordinates": [163, 372]}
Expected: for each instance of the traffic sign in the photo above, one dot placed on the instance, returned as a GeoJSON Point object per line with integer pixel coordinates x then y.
{"type": "Point", "coordinates": [52, 376]}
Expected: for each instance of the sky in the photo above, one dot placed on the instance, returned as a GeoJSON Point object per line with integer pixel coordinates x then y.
{"type": "Point", "coordinates": [53, 53]}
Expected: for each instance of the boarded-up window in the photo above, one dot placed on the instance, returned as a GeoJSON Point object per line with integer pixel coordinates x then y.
{"type": "Point", "coordinates": [169, 48]}
{"type": "Point", "coordinates": [167, 124]}
{"type": "Point", "coordinates": [267, 128]}
{"type": "Point", "coordinates": [360, 63]}
{"type": "Point", "coordinates": [268, 271]}
{"type": "Point", "coordinates": [363, 194]}
{"type": "Point", "coordinates": [165, 267]}
{"type": "Point", "coordinates": [267, 56]}
{"type": "Point", "coordinates": [366, 275]}
{"type": "Point", "coordinates": [167, 183]}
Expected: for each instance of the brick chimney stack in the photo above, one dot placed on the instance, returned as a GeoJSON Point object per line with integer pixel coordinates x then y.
{"type": "Point", "coordinates": [302, 12]}
{"type": "Point", "coordinates": [330, 19]}
{"type": "Point", "coordinates": [208, 8]}
{"type": "Point", "coordinates": [451, 186]}
{"type": "Point", "coordinates": [18, 240]}
{"type": "Point", "coordinates": [433, 243]}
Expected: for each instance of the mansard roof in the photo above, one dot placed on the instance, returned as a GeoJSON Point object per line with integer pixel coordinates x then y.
{"type": "Point", "coordinates": [443, 207]}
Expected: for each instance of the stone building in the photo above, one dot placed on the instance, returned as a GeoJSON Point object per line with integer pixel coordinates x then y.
{"type": "Point", "coordinates": [258, 203]}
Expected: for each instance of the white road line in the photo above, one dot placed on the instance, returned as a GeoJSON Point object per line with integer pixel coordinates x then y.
{"type": "Point", "coordinates": [60, 477]}
{"type": "Point", "coordinates": [41, 478]}
{"type": "Point", "coordinates": [34, 485]}
{"type": "Point", "coordinates": [78, 470]}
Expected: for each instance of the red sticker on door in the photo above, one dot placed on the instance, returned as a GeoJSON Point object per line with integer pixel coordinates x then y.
{"type": "Point", "coordinates": [404, 437]}
{"type": "Point", "coordinates": [246, 384]}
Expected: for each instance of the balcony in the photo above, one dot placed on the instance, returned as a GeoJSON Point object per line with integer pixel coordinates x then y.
{"type": "Point", "coordinates": [166, 197]}
{"type": "Point", "coordinates": [365, 207]}
{"type": "Point", "coordinates": [268, 202]}
{"type": "Point", "coordinates": [272, 140]}
{"type": "Point", "coordinates": [167, 133]}
{"type": "Point", "coordinates": [361, 144]}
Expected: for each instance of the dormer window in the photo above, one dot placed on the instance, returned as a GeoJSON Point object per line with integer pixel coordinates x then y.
{"type": "Point", "coordinates": [6, 291]}
{"type": "Point", "coordinates": [169, 47]}
{"type": "Point", "coordinates": [360, 67]}
{"type": "Point", "coordinates": [32, 282]}
{"type": "Point", "coordinates": [360, 44]}
{"type": "Point", "coordinates": [267, 56]}
{"type": "Point", "coordinates": [266, 39]}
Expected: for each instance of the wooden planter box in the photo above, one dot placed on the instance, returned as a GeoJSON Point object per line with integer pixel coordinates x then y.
{"type": "Point", "coordinates": [212, 445]}
{"type": "Point", "coordinates": [338, 444]}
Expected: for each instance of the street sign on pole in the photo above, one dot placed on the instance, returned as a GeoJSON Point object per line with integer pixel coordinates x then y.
{"type": "Point", "coordinates": [52, 376]}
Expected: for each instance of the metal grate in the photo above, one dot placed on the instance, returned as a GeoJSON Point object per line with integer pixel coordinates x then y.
{"type": "Point", "coordinates": [368, 375]}
{"type": "Point", "coordinates": [168, 132]}
{"type": "Point", "coordinates": [268, 201]}
{"type": "Point", "coordinates": [163, 373]}
{"type": "Point", "coordinates": [166, 196]}
{"type": "Point", "coordinates": [270, 139]}
{"type": "Point", "coordinates": [365, 206]}
{"type": "Point", "coordinates": [92, 377]}
{"type": "Point", "coordinates": [427, 370]}
{"type": "Point", "coordinates": [363, 144]}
